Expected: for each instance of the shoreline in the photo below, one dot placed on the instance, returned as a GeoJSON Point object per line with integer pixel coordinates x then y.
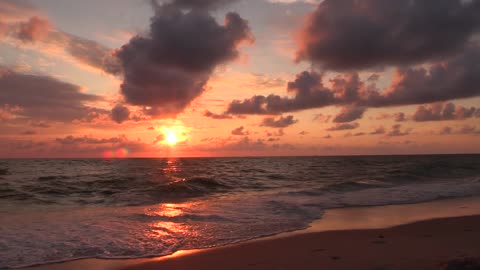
{"type": "Point", "coordinates": [339, 221]}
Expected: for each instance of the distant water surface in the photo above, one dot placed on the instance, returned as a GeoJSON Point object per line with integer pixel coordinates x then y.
{"type": "Point", "coordinates": [64, 209]}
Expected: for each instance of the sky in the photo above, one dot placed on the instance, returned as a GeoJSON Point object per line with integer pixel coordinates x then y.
{"type": "Point", "coordinates": [203, 78]}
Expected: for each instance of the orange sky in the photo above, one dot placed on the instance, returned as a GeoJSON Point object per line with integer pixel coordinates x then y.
{"type": "Point", "coordinates": [71, 115]}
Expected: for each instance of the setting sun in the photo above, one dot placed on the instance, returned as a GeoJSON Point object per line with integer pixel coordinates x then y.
{"type": "Point", "coordinates": [170, 137]}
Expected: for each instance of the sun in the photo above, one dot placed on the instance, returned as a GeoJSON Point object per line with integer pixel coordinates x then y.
{"type": "Point", "coordinates": [170, 137]}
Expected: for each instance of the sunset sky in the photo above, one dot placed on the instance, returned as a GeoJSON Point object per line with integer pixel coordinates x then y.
{"type": "Point", "coordinates": [139, 78]}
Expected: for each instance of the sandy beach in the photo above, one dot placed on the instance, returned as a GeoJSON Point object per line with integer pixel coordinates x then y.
{"type": "Point", "coordinates": [435, 235]}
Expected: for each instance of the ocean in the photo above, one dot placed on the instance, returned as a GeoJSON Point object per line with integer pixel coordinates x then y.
{"type": "Point", "coordinates": [55, 210]}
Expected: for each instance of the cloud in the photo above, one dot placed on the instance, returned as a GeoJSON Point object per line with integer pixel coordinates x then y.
{"type": "Point", "coordinates": [282, 122]}
{"type": "Point", "coordinates": [168, 67]}
{"type": "Point", "coordinates": [44, 98]}
{"type": "Point", "coordinates": [36, 29]}
{"type": "Point", "coordinates": [469, 130]}
{"type": "Point", "coordinates": [386, 32]}
{"type": "Point", "coordinates": [464, 130]}
{"type": "Point", "coordinates": [40, 125]}
{"type": "Point", "coordinates": [28, 132]}
{"type": "Point", "coordinates": [216, 116]}
{"type": "Point", "coordinates": [455, 78]}
{"type": "Point", "coordinates": [349, 114]}
{"type": "Point", "coordinates": [396, 131]}
{"type": "Point", "coordinates": [378, 131]}
{"type": "Point", "coordinates": [345, 126]}
{"type": "Point", "coordinates": [72, 140]}
{"type": "Point", "coordinates": [358, 134]}
{"type": "Point", "coordinates": [15, 10]}
{"type": "Point", "coordinates": [278, 133]}
{"type": "Point", "coordinates": [202, 4]}
{"type": "Point", "coordinates": [399, 117]}
{"type": "Point", "coordinates": [120, 113]}
{"type": "Point", "coordinates": [441, 112]}
{"type": "Point", "coordinates": [446, 131]}
{"type": "Point", "coordinates": [240, 131]}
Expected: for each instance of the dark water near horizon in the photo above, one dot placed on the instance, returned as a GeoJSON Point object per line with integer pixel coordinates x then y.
{"type": "Point", "coordinates": [64, 209]}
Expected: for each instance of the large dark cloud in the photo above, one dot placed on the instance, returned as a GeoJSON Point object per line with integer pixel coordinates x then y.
{"type": "Point", "coordinates": [168, 67]}
{"type": "Point", "coordinates": [354, 34]}
{"type": "Point", "coordinates": [448, 111]}
{"type": "Point", "coordinates": [44, 98]}
{"type": "Point", "coordinates": [281, 122]}
{"type": "Point", "coordinates": [455, 78]}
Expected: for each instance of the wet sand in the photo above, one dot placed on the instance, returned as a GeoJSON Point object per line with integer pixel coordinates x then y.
{"type": "Point", "coordinates": [417, 236]}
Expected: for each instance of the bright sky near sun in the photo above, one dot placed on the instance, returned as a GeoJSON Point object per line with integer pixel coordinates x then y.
{"type": "Point", "coordinates": [123, 78]}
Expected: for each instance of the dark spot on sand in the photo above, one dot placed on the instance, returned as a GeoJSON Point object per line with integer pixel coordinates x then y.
{"type": "Point", "coordinates": [381, 236]}
{"type": "Point", "coordinates": [468, 230]}
{"type": "Point", "coordinates": [463, 264]}
{"type": "Point", "coordinates": [335, 258]}
{"type": "Point", "coordinates": [427, 235]}
{"type": "Point", "coordinates": [318, 250]}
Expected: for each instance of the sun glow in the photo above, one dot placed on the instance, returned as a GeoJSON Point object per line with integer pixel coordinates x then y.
{"type": "Point", "coordinates": [170, 137]}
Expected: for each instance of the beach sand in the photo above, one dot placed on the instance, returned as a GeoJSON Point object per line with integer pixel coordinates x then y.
{"type": "Point", "coordinates": [418, 236]}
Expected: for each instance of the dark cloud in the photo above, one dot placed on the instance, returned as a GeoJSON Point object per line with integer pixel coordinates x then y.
{"type": "Point", "coordinates": [240, 131]}
{"type": "Point", "coordinates": [458, 77]}
{"type": "Point", "coordinates": [440, 112]}
{"type": "Point", "coordinates": [216, 116]}
{"type": "Point", "coordinates": [386, 32]}
{"type": "Point", "coordinates": [281, 122]}
{"type": "Point", "coordinates": [29, 132]}
{"type": "Point", "coordinates": [168, 67]}
{"type": "Point", "coordinates": [467, 130]}
{"type": "Point", "coordinates": [44, 98]}
{"type": "Point", "coordinates": [358, 134]}
{"type": "Point", "coordinates": [322, 117]}
{"type": "Point", "coordinates": [396, 131]}
{"type": "Point", "coordinates": [349, 114]}
{"type": "Point", "coordinates": [72, 140]}
{"type": "Point", "coordinates": [32, 30]}
{"type": "Point", "coordinates": [120, 113]}
{"type": "Point", "coordinates": [345, 126]}
{"type": "Point", "coordinates": [159, 138]}
{"type": "Point", "coordinates": [399, 117]}
{"type": "Point", "coordinates": [199, 4]}
{"type": "Point", "coordinates": [378, 131]}
{"type": "Point", "coordinates": [446, 131]}
{"type": "Point", "coordinates": [40, 125]}
{"type": "Point", "coordinates": [278, 133]}
{"type": "Point", "coordinates": [464, 130]}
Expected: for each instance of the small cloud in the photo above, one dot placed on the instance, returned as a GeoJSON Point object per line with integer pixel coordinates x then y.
{"type": "Point", "coordinates": [345, 126]}
{"type": "Point", "coordinates": [216, 116]}
{"type": "Point", "coordinates": [282, 122]}
{"type": "Point", "coordinates": [396, 131]}
{"type": "Point", "coordinates": [29, 132]}
{"type": "Point", "coordinates": [240, 131]}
